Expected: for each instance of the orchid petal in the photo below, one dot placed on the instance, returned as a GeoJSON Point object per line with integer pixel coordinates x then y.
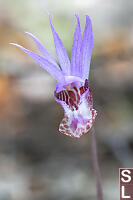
{"type": "Point", "coordinates": [43, 50]}
{"type": "Point", "coordinates": [75, 53]}
{"type": "Point", "coordinates": [79, 114]}
{"type": "Point", "coordinates": [45, 64]}
{"type": "Point", "coordinates": [86, 49]}
{"type": "Point", "coordinates": [60, 51]}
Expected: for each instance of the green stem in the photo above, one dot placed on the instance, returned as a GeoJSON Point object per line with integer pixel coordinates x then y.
{"type": "Point", "coordinates": [96, 165]}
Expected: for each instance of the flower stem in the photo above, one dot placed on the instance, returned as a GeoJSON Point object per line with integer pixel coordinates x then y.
{"type": "Point", "coordinates": [96, 165]}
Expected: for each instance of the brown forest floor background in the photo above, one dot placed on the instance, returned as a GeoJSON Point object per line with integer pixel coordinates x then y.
{"type": "Point", "coordinates": [36, 162]}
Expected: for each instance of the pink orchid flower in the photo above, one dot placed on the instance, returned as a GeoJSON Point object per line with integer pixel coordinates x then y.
{"type": "Point", "coordinates": [72, 89]}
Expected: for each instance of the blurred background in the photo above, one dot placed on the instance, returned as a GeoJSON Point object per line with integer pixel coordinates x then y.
{"type": "Point", "coordinates": [36, 161]}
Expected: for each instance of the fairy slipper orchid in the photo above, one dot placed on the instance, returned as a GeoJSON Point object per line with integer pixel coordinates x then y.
{"type": "Point", "coordinates": [72, 89]}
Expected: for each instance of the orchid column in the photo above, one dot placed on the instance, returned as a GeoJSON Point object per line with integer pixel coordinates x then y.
{"type": "Point", "coordinates": [72, 89]}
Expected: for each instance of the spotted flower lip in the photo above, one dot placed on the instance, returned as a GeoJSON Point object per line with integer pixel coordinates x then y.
{"type": "Point", "coordinates": [72, 89]}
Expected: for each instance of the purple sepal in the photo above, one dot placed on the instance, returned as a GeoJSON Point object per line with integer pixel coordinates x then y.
{"type": "Point", "coordinates": [45, 64]}
{"type": "Point", "coordinates": [76, 51]}
{"type": "Point", "coordinates": [60, 51]}
{"type": "Point", "coordinates": [86, 49]}
{"type": "Point", "coordinates": [42, 49]}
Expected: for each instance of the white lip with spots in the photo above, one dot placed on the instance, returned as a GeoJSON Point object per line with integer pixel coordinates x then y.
{"type": "Point", "coordinates": [78, 122]}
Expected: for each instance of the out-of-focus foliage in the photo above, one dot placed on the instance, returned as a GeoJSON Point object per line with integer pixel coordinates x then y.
{"type": "Point", "coordinates": [36, 162]}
